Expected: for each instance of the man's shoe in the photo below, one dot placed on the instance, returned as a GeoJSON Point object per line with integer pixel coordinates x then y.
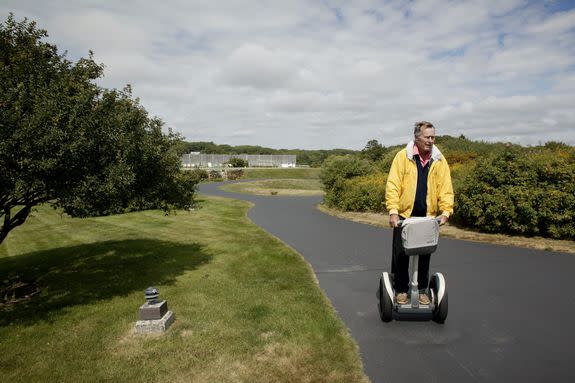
{"type": "Point", "coordinates": [423, 299]}
{"type": "Point", "coordinates": [401, 298]}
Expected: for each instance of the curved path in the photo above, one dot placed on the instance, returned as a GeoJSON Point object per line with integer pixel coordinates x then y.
{"type": "Point", "coordinates": [511, 311]}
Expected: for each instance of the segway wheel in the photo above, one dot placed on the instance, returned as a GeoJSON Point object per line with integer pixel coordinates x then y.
{"type": "Point", "coordinates": [440, 312]}
{"type": "Point", "coordinates": [385, 303]}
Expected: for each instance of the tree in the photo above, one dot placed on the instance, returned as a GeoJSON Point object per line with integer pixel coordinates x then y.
{"type": "Point", "coordinates": [66, 141]}
{"type": "Point", "coordinates": [235, 162]}
{"type": "Point", "coordinates": [373, 150]}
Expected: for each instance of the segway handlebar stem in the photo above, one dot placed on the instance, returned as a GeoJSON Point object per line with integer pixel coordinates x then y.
{"type": "Point", "coordinates": [401, 221]}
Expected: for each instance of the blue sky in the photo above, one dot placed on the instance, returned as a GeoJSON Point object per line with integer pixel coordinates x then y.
{"type": "Point", "coordinates": [323, 74]}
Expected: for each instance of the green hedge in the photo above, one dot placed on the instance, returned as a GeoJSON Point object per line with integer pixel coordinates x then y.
{"type": "Point", "coordinates": [520, 191]}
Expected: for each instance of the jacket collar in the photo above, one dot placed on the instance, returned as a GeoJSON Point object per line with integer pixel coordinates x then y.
{"type": "Point", "coordinates": [436, 154]}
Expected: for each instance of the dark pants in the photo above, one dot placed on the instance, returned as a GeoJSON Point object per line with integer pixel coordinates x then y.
{"type": "Point", "coordinates": [400, 266]}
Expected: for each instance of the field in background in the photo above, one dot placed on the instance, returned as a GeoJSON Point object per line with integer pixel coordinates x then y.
{"type": "Point", "coordinates": [280, 187]}
{"type": "Point", "coordinates": [247, 307]}
{"type": "Point", "coordinates": [300, 173]}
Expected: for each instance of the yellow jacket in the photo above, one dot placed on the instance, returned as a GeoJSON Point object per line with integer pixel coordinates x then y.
{"type": "Point", "coordinates": [402, 183]}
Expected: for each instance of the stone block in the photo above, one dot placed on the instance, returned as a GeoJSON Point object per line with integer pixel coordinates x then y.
{"type": "Point", "coordinates": [156, 325]}
{"type": "Point", "coordinates": [154, 311]}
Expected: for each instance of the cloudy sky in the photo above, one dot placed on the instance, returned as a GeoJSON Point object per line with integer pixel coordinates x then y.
{"type": "Point", "coordinates": [316, 74]}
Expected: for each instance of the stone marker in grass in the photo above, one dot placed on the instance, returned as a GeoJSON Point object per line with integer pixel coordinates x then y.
{"type": "Point", "coordinates": [154, 314]}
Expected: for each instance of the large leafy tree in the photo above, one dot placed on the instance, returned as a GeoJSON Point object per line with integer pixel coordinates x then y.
{"type": "Point", "coordinates": [373, 150]}
{"type": "Point", "coordinates": [67, 141]}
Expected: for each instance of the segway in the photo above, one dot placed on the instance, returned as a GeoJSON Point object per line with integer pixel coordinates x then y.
{"type": "Point", "coordinates": [419, 235]}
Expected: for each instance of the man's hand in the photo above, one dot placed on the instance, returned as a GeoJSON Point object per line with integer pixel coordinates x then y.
{"type": "Point", "coordinates": [443, 220]}
{"type": "Point", "coordinates": [393, 220]}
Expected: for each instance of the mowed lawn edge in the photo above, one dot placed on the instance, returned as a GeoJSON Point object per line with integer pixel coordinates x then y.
{"type": "Point", "coordinates": [248, 307]}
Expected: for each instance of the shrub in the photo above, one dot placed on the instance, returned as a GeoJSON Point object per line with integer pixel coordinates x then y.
{"type": "Point", "coordinates": [364, 193]}
{"type": "Point", "coordinates": [520, 191]}
{"type": "Point", "coordinates": [215, 175]}
{"type": "Point", "coordinates": [334, 173]}
{"type": "Point", "coordinates": [237, 162]}
{"type": "Point", "coordinates": [199, 174]}
{"type": "Point", "coordinates": [459, 157]}
{"type": "Point", "coordinates": [234, 174]}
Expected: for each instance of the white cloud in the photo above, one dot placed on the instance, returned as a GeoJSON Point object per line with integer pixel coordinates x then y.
{"type": "Point", "coordinates": [259, 67]}
{"type": "Point", "coordinates": [322, 74]}
{"type": "Point", "coordinates": [561, 22]}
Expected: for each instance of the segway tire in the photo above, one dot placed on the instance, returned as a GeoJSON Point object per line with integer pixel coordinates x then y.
{"type": "Point", "coordinates": [440, 312]}
{"type": "Point", "coordinates": [385, 304]}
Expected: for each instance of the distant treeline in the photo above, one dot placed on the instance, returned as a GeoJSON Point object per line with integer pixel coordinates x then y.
{"type": "Point", "coordinates": [312, 158]}
{"type": "Point", "coordinates": [458, 150]}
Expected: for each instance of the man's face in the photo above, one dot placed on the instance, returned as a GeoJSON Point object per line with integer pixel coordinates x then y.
{"type": "Point", "coordinates": [425, 140]}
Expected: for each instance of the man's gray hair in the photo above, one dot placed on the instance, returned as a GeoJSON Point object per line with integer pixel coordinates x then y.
{"type": "Point", "coordinates": [421, 125]}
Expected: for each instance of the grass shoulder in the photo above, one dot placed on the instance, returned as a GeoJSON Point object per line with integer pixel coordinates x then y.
{"type": "Point", "coordinates": [382, 220]}
{"type": "Point", "coordinates": [247, 307]}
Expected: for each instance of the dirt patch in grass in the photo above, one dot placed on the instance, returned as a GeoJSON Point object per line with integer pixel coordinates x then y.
{"type": "Point", "coordinates": [382, 220]}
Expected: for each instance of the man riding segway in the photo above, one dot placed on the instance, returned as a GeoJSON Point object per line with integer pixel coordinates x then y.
{"type": "Point", "coordinates": [418, 185]}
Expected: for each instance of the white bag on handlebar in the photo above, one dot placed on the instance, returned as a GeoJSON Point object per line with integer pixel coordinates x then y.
{"type": "Point", "coordinates": [420, 235]}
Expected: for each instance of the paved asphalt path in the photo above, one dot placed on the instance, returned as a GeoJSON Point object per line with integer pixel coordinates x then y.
{"type": "Point", "coordinates": [511, 311]}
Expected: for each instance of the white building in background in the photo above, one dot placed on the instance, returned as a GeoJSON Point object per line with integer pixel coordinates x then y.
{"type": "Point", "coordinates": [199, 160]}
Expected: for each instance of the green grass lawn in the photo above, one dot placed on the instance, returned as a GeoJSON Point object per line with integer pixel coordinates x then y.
{"type": "Point", "coordinates": [247, 307]}
{"type": "Point", "coordinates": [291, 187]}
{"type": "Point", "coordinates": [300, 173]}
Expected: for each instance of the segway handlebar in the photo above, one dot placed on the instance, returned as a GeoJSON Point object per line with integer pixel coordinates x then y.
{"type": "Point", "coordinates": [400, 222]}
